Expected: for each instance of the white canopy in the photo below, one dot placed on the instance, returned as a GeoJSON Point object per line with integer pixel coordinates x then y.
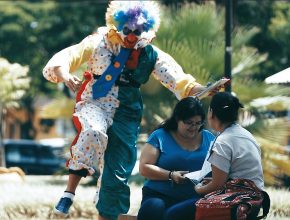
{"type": "Point", "coordinates": [264, 101]}
{"type": "Point", "coordinates": [280, 77]}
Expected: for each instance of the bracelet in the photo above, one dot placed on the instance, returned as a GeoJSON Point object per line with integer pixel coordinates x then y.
{"type": "Point", "coordinates": [170, 175]}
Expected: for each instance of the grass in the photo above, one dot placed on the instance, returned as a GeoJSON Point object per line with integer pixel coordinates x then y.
{"type": "Point", "coordinates": [280, 203]}
{"type": "Point", "coordinates": [35, 197]}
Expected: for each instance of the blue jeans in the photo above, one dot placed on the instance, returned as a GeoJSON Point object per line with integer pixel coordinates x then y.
{"type": "Point", "coordinates": [157, 206]}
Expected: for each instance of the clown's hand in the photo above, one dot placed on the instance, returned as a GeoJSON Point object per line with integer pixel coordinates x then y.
{"type": "Point", "coordinates": [73, 83]}
{"type": "Point", "coordinates": [215, 90]}
{"type": "Point", "coordinates": [212, 88]}
{"type": "Point", "coordinates": [197, 89]}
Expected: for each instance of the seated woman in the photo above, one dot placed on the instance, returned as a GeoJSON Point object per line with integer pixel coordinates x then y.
{"type": "Point", "coordinates": [234, 154]}
{"type": "Point", "coordinates": [178, 146]}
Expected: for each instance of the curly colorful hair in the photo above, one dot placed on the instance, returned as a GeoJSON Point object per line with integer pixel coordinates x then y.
{"type": "Point", "coordinates": [136, 14]}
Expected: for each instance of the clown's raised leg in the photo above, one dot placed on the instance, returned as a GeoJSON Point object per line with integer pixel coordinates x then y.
{"type": "Point", "coordinates": [89, 145]}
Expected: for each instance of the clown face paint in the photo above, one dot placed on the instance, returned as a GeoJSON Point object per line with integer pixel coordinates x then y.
{"type": "Point", "coordinates": [130, 37]}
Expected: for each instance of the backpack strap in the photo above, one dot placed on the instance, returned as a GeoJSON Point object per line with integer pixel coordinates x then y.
{"type": "Point", "coordinates": [265, 205]}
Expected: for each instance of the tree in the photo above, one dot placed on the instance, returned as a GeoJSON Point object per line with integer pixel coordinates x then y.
{"type": "Point", "coordinates": [272, 17]}
{"type": "Point", "coordinates": [14, 84]}
{"type": "Point", "coordinates": [195, 38]}
{"type": "Point", "coordinates": [32, 31]}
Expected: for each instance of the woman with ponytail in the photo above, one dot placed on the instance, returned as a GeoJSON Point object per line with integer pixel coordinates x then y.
{"type": "Point", "coordinates": [235, 153]}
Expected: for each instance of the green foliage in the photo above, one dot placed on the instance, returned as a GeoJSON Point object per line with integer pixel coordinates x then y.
{"type": "Point", "coordinates": [272, 18]}
{"type": "Point", "coordinates": [13, 83]}
{"type": "Point", "coordinates": [195, 30]}
{"type": "Point", "coordinates": [279, 35]}
{"type": "Point", "coordinates": [18, 34]}
{"type": "Point", "coordinates": [280, 22]}
{"type": "Point", "coordinates": [31, 32]}
{"type": "Point", "coordinates": [193, 35]}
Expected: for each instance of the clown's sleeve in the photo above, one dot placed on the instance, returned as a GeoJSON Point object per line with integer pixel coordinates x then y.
{"type": "Point", "coordinates": [171, 75]}
{"type": "Point", "coordinates": [71, 58]}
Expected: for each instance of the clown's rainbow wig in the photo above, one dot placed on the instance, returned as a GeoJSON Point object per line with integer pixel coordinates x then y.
{"type": "Point", "coordinates": [136, 14]}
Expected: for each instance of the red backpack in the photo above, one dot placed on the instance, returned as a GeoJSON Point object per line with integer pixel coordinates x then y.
{"type": "Point", "coordinates": [240, 199]}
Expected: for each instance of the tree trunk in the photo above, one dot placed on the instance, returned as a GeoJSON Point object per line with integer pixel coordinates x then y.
{"type": "Point", "coordinates": [2, 150]}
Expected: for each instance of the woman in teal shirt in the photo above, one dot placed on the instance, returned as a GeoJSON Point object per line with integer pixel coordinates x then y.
{"type": "Point", "coordinates": [179, 145]}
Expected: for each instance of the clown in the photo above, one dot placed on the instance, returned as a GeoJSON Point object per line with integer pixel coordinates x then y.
{"type": "Point", "coordinates": [108, 108]}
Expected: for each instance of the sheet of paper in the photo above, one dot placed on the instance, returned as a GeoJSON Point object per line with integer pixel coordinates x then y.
{"type": "Point", "coordinates": [193, 175]}
{"type": "Point", "coordinates": [206, 168]}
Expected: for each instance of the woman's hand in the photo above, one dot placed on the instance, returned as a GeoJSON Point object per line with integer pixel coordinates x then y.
{"type": "Point", "coordinates": [178, 177]}
{"type": "Point", "coordinates": [206, 180]}
{"type": "Point", "coordinates": [218, 180]}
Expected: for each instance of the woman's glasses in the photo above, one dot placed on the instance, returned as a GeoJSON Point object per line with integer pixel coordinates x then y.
{"type": "Point", "coordinates": [190, 123]}
{"type": "Point", "coordinates": [127, 31]}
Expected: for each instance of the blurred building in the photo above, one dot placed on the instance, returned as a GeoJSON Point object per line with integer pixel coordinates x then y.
{"type": "Point", "coordinates": [24, 124]}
